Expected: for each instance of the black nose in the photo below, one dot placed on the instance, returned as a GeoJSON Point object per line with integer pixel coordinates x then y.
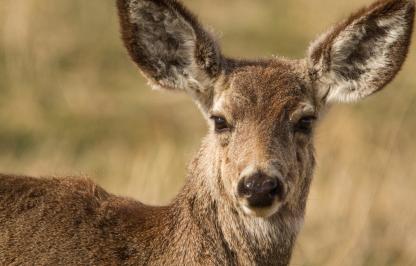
{"type": "Point", "coordinates": [261, 190]}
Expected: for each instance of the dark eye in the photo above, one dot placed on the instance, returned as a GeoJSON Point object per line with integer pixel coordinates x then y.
{"type": "Point", "coordinates": [305, 124]}
{"type": "Point", "coordinates": [221, 125]}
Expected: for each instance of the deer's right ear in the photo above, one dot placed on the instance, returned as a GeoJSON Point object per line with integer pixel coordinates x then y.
{"type": "Point", "coordinates": [170, 47]}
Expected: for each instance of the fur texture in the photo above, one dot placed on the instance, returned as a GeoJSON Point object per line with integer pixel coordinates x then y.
{"type": "Point", "coordinates": [268, 108]}
{"type": "Point", "coordinates": [362, 54]}
{"type": "Point", "coordinates": [170, 47]}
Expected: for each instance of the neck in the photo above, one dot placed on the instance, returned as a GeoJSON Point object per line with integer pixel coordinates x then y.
{"type": "Point", "coordinates": [223, 230]}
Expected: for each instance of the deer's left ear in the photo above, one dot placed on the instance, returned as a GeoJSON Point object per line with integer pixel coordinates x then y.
{"type": "Point", "coordinates": [359, 56]}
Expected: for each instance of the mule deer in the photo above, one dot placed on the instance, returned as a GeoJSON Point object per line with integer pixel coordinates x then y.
{"type": "Point", "coordinates": [244, 200]}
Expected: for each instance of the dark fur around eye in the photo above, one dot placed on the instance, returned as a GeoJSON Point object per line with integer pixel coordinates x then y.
{"type": "Point", "coordinates": [305, 125]}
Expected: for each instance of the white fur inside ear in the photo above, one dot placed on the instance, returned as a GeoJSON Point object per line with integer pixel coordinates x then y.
{"type": "Point", "coordinates": [362, 57]}
{"type": "Point", "coordinates": [353, 90]}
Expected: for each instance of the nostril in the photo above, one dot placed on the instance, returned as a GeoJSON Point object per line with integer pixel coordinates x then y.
{"type": "Point", "coordinates": [269, 185]}
{"type": "Point", "coordinates": [250, 184]}
{"type": "Point", "coordinates": [278, 190]}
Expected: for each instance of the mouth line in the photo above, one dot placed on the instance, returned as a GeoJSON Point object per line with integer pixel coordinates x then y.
{"type": "Point", "coordinates": [261, 211]}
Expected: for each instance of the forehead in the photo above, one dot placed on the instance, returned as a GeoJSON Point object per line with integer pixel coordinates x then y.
{"type": "Point", "coordinates": [264, 87]}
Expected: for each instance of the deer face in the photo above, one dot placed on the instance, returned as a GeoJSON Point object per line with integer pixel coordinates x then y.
{"type": "Point", "coordinates": [262, 125]}
{"type": "Point", "coordinates": [262, 113]}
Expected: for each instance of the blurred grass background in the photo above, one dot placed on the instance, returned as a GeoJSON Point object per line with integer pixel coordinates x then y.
{"type": "Point", "coordinates": [73, 104]}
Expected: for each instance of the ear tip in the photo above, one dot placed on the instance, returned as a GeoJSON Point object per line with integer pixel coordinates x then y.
{"type": "Point", "coordinates": [412, 4]}
{"type": "Point", "coordinates": [394, 4]}
{"type": "Point", "coordinates": [409, 5]}
{"type": "Point", "coordinates": [410, 11]}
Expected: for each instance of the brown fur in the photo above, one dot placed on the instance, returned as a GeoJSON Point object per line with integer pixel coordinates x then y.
{"type": "Point", "coordinates": [70, 221]}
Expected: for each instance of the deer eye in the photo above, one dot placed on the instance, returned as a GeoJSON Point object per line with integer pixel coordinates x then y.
{"type": "Point", "coordinates": [305, 124]}
{"type": "Point", "coordinates": [221, 125]}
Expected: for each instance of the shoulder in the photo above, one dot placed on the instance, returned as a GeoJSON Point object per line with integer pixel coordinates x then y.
{"type": "Point", "coordinates": [21, 185]}
{"type": "Point", "coordinates": [22, 193]}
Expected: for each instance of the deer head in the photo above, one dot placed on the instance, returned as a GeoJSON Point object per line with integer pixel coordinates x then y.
{"type": "Point", "coordinates": [262, 114]}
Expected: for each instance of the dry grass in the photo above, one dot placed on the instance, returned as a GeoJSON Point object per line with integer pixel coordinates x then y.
{"type": "Point", "coordinates": [71, 103]}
